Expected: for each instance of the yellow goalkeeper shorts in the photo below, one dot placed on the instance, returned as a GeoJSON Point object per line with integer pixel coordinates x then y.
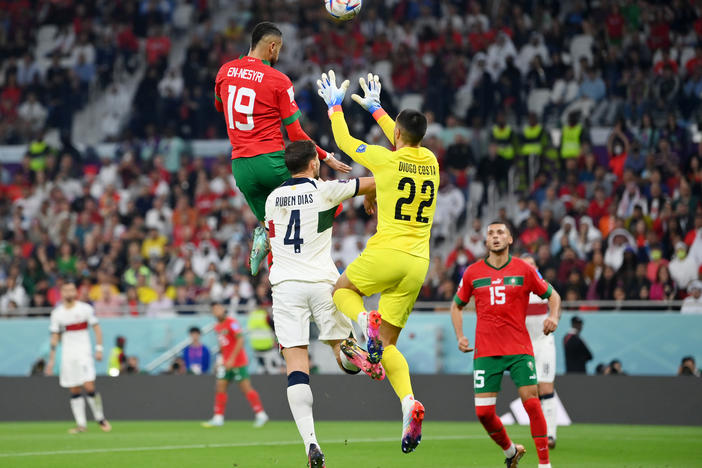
{"type": "Point", "coordinates": [396, 275]}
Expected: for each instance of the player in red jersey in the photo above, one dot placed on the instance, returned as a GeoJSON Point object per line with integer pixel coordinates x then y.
{"type": "Point", "coordinates": [233, 367]}
{"type": "Point", "coordinates": [255, 98]}
{"type": "Point", "coordinates": [501, 286]}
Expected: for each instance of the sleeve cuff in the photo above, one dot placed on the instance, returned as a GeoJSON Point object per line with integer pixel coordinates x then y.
{"type": "Point", "coordinates": [378, 114]}
{"type": "Point", "coordinates": [459, 302]}
{"type": "Point", "coordinates": [218, 98]}
{"type": "Point", "coordinates": [292, 118]}
{"type": "Point", "coordinates": [358, 186]}
{"type": "Point", "coordinates": [548, 292]}
{"type": "Point", "coordinates": [333, 109]}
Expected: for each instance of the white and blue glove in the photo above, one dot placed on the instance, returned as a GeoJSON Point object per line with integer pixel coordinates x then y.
{"type": "Point", "coordinates": [371, 93]}
{"type": "Point", "coordinates": [328, 91]}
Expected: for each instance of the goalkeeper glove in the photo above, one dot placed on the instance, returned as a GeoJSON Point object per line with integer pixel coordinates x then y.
{"type": "Point", "coordinates": [328, 90]}
{"type": "Point", "coordinates": [371, 93]}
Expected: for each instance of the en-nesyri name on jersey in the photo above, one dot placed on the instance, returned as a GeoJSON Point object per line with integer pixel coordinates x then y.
{"type": "Point", "coordinates": [299, 217]}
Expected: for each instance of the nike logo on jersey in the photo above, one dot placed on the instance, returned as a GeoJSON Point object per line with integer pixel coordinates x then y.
{"type": "Point", "coordinates": [497, 281]}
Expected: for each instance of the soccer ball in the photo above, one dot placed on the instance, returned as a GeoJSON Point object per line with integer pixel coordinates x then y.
{"type": "Point", "coordinates": [343, 10]}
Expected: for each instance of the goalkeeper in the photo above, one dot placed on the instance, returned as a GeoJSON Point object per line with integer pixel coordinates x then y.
{"type": "Point", "coordinates": [406, 183]}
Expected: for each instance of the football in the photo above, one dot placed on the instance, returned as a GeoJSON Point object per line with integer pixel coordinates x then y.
{"type": "Point", "coordinates": [343, 10]}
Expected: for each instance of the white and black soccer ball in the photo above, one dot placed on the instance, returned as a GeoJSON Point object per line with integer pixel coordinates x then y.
{"type": "Point", "coordinates": [343, 10]}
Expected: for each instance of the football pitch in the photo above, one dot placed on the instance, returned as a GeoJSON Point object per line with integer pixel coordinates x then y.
{"type": "Point", "coordinates": [345, 444]}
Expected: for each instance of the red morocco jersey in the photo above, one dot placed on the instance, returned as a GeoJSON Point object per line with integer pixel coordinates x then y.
{"type": "Point", "coordinates": [501, 300]}
{"type": "Point", "coordinates": [227, 332]}
{"type": "Point", "coordinates": [254, 98]}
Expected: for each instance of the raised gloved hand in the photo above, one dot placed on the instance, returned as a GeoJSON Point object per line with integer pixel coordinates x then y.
{"type": "Point", "coordinates": [328, 90]}
{"type": "Point", "coordinates": [371, 93]}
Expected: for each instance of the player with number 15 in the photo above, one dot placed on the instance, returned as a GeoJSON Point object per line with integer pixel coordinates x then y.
{"type": "Point", "coordinates": [501, 286]}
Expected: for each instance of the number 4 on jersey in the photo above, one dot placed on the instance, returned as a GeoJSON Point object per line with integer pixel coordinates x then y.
{"type": "Point", "coordinates": [292, 234]}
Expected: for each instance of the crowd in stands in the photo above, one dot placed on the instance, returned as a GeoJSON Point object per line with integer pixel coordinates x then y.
{"type": "Point", "coordinates": [153, 227]}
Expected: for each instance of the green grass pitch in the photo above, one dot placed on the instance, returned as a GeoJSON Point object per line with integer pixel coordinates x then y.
{"type": "Point", "coordinates": [345, 444]}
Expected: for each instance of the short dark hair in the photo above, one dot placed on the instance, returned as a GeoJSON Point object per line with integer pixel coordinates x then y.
{"type": "Point", "coordinates": [413, 124]}
{"type": "Point", "coordinates": [263, 29]}
{"type": "Point", "coordinates": [497, 221]}
{"type": "Point", "coordinates": [298, 155]}
{"type": "Point", "coordinates": [195, 330]}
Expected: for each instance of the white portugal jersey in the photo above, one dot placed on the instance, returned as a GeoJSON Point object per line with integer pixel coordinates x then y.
{"type": "Point", "coordinates": [299, 217]}
{"type": "Point", "coordinates": [73, 326]}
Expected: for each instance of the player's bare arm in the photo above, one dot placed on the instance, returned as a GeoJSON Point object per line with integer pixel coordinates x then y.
{"type": "Point", "coordinates": [53, 343]}
{"type": "Point", "coordinates": [554, 307]}
{"type": "Point", "coordinates": [98, 341]}
{"type": "Point", "coordinates": [457, 321]}
{"type": "Point", "coordinates": [366, 186]}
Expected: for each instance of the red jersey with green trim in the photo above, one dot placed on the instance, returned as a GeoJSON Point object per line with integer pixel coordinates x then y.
{"type": "Point", "coordinates": [254, 98]}
{"type": "Point", "coordinates": [227, 335]}
{"type": "Point", "coordinates": [501, 300]}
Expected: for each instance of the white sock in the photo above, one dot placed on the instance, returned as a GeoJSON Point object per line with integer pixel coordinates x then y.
{"type": "Point", "coordinates": [218, 418]}
{"type": "Point", "coordinates": [362, 321]}
{"type": "Point", "coordinates": [549, 407]}
{"type": "Point", "coordinates": [546, 465]}
{"type": "Point", "coordinates": [300, 401]}
{"type": "Point", "coordinates": [95, 403]}
{"type": "Point", "coordinates": [78, 409]}
{"type": "Point", "coordinates": [348, 365]}
{"type": "Point", "coordinates": [511, 451]}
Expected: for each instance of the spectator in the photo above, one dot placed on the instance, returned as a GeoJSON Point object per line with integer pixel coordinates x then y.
{"type": "Point", "coordinates": [117, 363]}
{"type": "Point", "coordinates": [688, 367]}
{"type": "Point", "coordinates": [109, 304]}
{"type": "Point", "coordinates": [693, 303]}
{"type": "Point", "coordinates": [161, 305]}
{"type": "Point", "coordinates": [196, 355]}
{"type": "Point", "coordinates": [577, 353]}
{"type": "Point", "coordinates": [615, 368]}
{"type": "Point", "coordinates": [132, 365]}
{"type": "Point", "coordinates": [14, 297]}
{"type": "Point", "coordinates": [663, 289]}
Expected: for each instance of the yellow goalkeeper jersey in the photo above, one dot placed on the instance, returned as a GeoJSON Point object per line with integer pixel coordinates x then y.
{"type": "Point", "coordinates": [407, 183]}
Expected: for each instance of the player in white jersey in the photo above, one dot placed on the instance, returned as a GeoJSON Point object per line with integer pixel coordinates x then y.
{"type": "Point", "coordinates": [299, 218]}
{"type": "Point", "coordinates": [544, 356]}
{"type": "Point", "coordinates": [69, 322]}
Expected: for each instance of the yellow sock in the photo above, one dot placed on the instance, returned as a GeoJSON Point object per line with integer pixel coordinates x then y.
{"type": "Point", "coordinates": [349, 302]}
{"type": "Point", "coordinates": [397, 371]}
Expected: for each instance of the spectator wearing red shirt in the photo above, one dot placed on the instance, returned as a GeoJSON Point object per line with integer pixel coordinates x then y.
{"type": "Point", "coordinates": [598, 206]}
{"type": "Point", "coordinates": [659, 35]}
{"type": "Point", "coordinates": [534, 235]}
{"type": "Point", "coordinates": [157, 47]}
{"type": "Point", "coordinates": [615, 25]}
{"type": "Point", "coordinates": [666, 59]}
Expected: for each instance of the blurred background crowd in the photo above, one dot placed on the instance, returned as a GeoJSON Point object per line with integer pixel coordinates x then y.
{"type": "Point", "coordinates": [573, 121]}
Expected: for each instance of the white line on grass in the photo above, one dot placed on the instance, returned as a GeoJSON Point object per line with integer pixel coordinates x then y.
{"type": "Point", "coordinates": [206, 446]}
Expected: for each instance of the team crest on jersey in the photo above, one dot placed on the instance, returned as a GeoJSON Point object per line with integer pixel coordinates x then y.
{"type": "Point", "coordinates": [361, 149]}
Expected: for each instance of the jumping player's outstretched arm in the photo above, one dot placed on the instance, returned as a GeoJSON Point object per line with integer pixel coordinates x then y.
{"type": "Point", "coordinates": [371, 102]}
{"type": "Point", "coordinates": [367, 155]}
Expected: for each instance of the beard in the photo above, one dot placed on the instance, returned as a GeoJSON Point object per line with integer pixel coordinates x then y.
{"type": "Point", "coordinates": [498, 251]}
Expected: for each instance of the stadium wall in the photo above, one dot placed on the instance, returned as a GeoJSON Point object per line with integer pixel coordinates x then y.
{"type": "Point", "coordinates": [586, 399]}
{"type": "Point", "coordinates": [646, 343]}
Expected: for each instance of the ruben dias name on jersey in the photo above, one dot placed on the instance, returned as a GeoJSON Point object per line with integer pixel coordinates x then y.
{"type": "Point", "coordinates": [302, 199]}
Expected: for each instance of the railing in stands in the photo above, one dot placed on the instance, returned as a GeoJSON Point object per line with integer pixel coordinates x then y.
{"type": "Point", "coordinates": [421, 306]}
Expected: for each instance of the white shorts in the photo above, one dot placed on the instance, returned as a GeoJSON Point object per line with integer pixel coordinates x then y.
{"type": "Point", "coordinates": [293, 304]}
{"type": "Point", "coordinates": [76, 370]}
{"type": "Point", "coordinates": [544, 348]}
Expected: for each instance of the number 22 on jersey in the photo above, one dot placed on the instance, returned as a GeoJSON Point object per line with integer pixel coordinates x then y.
{"type": "Point", "coordinates": [427, 187]}
{"type": "Point", "coordinates": [241, 101]}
